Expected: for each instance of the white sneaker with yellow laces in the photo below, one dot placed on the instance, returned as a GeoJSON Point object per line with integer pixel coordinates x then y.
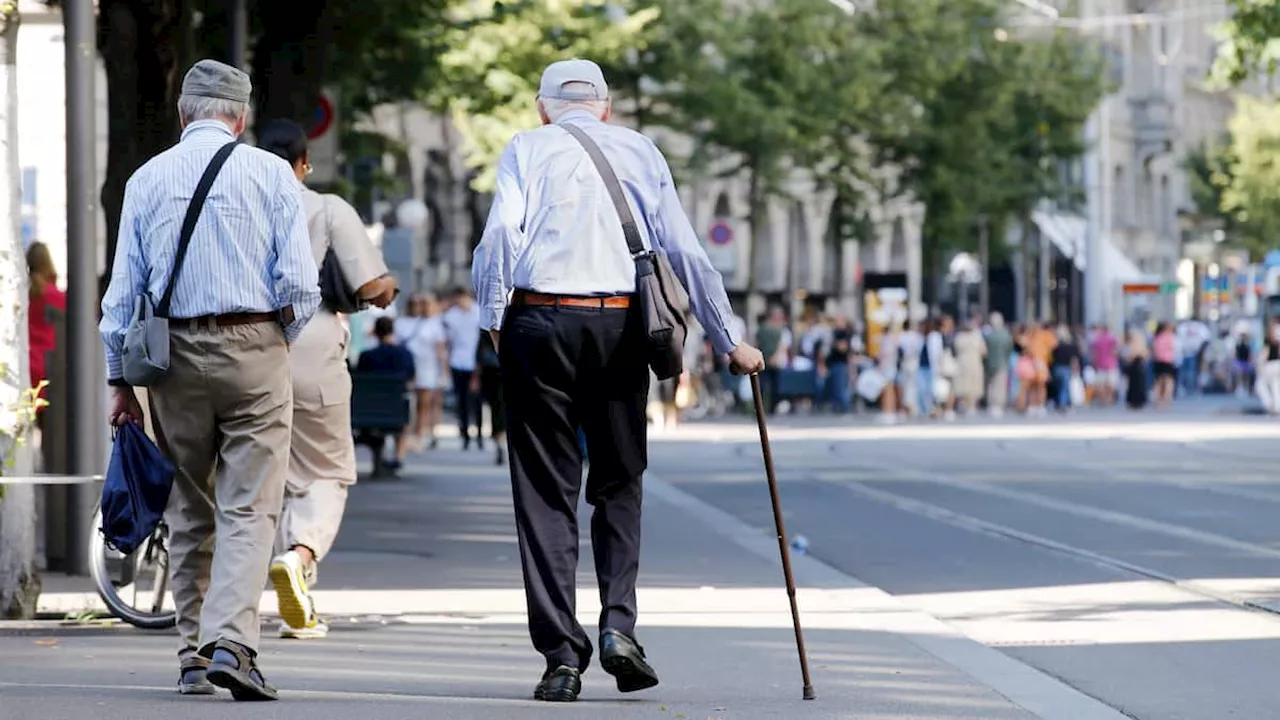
{"type": "Point", "coordinates": [316, 629]}
{"type": "Point", "coordinates": [292, 595]}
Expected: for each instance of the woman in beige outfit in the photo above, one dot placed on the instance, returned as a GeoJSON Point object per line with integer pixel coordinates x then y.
{"type": "Point", "coordinates": [322, 459]}
{"type": "Point", "coordinates": [970, 350]}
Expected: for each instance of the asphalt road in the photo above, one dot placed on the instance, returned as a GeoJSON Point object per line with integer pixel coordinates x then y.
{"type": "Point", "coordinates": [1134, 557]}
{"type": "Point", "coordinates": [1068, 569]}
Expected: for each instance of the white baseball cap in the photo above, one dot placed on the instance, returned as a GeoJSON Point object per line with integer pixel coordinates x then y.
{"type": "Point", "coordinates": [560, 73]}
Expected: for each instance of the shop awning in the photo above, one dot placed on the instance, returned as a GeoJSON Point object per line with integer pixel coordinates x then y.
{"type": "Point", "coordinates": [1069, 234]}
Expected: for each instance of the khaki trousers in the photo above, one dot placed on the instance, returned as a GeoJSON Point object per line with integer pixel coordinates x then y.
{"type": "Point", "coordinates": [998, 390]}
{"type": "Point", "coordinates": [322, 453]}
{"type": "Point", "coordinates": [223, 414]}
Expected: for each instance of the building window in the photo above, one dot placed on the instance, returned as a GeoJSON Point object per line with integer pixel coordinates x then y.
{"type": "Point", "coordinates": [29, 186]}
{"type": "Point", "coordinates": [1166, 209]}
{"type": "Point", "coordinates": [1119, 198]}
{"type": "Point", "coordinates": [723, 209]}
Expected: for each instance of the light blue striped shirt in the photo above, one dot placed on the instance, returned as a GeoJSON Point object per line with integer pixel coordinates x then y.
{"type": "Point", "coordinates": [553, 229]}
{"type": "Point", "coordinates": [250, 251]}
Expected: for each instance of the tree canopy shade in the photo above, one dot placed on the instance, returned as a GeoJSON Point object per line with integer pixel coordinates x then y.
{"type": "Point", "coordinates": [1248, 176]}
{"type": "Point", "coordinates": [764, 88]}
{"type": "Point", "coordinates": [488, 77]}
{"type": "Point", "coordinates": [1250, 41]}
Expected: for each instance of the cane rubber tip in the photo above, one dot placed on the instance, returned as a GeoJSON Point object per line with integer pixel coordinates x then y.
{"type": "Point", "coordinates": [809, 694]}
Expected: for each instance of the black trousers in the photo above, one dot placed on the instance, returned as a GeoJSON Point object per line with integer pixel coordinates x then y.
{"type": "Point", "coordinates": [468, 404]}
{"type": "Point", "coordinates": [491, 391]}
{"type": "Point", "coordinates": [565, 368]}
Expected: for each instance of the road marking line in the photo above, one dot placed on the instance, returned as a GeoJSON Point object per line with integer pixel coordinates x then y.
{"type": "Point", "coordinates": [1124, 476]}
{"type": "Point", "coordinates": [1087, 511]}
{"type": "Point", "coordinates": [974, 524]}
{"type": "Point", "coordinates": [1043, 695]}
{"type": "Point", "coordinates": [286, 694]}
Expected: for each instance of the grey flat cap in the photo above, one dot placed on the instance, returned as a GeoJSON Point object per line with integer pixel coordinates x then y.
{"type": "Point", "coordinates": [565, 72]}
{"type": "Point", "coordinates": [212, 79]}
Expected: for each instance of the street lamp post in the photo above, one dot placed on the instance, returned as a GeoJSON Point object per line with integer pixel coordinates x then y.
{"type": "Point", "coordinates": [85, 385]}
{"type": "Point", "coordinates": [240, 34]}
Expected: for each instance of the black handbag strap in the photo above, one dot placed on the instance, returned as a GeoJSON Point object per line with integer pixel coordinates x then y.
{"type": "Point", "coordinates": [189, 222]}
{"type": "Point", "coordinates": [629, 229]}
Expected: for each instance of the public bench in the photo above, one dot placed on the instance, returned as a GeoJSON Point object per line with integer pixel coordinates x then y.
{"type": "Point", "coordinates": [379, 410]}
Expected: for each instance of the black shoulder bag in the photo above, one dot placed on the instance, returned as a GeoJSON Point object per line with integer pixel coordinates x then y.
{"type": "Point", "coordinates": [335, 292]}
{"type": "Point", "coordinates": [664, 303]}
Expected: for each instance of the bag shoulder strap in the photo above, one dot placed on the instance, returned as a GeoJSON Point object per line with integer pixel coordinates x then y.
{"type": "Point", "coordinates": [189, 222]}
{"type": "Point", "coordinates": [629, 229]}
{"type": "Point", "coordinates": [327, 204]}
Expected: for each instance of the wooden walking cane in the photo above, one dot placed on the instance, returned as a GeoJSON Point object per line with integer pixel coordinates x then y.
{"type": "Point", "coordinates": [782, 536]}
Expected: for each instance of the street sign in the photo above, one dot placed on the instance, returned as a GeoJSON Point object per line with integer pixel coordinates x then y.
{"type": "Point", "coordinates": [1272, 259]}
{"type": "Point", "coordinates": [721, 249]}
{"type": "Point", "coordinates": [1162, 288]}
{"type": "Point", "coordinates": [322, 140]}
{"type": "Point", "coordinates": [323, 119]}
{"type": "Point", "coordinates": [720, 234]}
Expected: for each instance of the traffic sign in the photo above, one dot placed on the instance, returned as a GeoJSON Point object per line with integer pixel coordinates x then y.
{"type": "Point", "coordinates": [323, 119]}
{"type": "Point", "coordinates": [721, 234]}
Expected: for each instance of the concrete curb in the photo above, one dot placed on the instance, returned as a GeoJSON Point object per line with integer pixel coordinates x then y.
{"type": "Point", "coordinates": [1038, 693]}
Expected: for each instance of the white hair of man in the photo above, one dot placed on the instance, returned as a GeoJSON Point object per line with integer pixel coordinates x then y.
{"type": "Point", "coordinates": [997, 320]}
{"type": "Point", "coordinates": [194, 107]}
{"type": "Point", "coordinates": [556, 107]}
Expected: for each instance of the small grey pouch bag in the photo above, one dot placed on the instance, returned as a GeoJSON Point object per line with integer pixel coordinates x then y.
{"type": "Point", "coordinates": [146, 341]}
{"type": "Point", "coordinates": [664, 303]}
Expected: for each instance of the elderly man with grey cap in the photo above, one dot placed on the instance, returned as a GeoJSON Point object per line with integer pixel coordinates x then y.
{"type": "Point", "coordinates": [236, 299]}
{"type": "Point", "coordinates": [555, 281]}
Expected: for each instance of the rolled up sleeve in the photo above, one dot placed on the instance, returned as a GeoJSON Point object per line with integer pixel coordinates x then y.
{"type": "Point", "coordinates": [297, 280]}
{"type": "Point", "coordinates": [675, 237]}
{"type": "Point", "coordinates": [128, 280]}
{"type": "Point", "coordinates": [491, 265]}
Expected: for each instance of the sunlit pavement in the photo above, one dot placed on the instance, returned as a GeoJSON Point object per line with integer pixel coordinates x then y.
{"type": "Point", "coordinates": [1111, 552]}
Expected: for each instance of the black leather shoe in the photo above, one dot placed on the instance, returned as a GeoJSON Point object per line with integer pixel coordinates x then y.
{"type": "Point", "coordinates": [559, 685]}
{"type": "Point", "coordinates": [623, 658]}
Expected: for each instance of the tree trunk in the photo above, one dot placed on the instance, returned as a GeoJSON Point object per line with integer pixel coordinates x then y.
{"type": "Point", "coordinates": [290, 60]}
{"type": "Point", "coordinates": [141, 42]}
{"type": "Point", "coordinates": [984, 258]}
{"type": "Point", "coordinates": [19, 582]}
{"type": "Point", "coordinates": [753, 225]}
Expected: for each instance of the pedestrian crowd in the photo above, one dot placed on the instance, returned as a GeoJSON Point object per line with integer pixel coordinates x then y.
{"type": "Point", "coordinates": [942, 369]}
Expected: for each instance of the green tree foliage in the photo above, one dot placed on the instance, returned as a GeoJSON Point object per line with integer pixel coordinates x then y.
{"type": "Point", "coordinates": [1250, 41]}
{"type": "Point", "coordinates": [999, 116]}
{"type": "Point", "coordinates": [488, 77]}
{"type": "Point", "coordinates": [1248, 175]}
{"type": "Point", "coordinates": [756, 87]}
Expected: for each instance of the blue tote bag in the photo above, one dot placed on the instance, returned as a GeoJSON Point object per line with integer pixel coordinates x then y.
{"type": "Point", "coordinates": [136, 490]}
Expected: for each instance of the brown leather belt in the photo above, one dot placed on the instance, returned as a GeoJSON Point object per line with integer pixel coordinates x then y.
{"type": "Point", "coordinates": [525, 297]}
{"type": "Point", "coordinates": [213, 322]}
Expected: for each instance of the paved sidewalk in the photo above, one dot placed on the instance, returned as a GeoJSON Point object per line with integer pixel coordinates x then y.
{"type": "Point", "coordinates": [424, 593]}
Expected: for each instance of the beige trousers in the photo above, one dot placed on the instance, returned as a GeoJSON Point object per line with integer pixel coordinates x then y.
{"type": "Point", "coordinates": [322, 453]}
{"type": "Point", "coordinates": [223, 415]}
{"type": "Point", "coordinates": [998, 390]}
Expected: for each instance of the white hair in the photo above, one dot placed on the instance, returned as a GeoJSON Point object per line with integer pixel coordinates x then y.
{"type": "Point", "coordinates": [192, 108]}
{"type": "Point", "coordinates": [555, 107]}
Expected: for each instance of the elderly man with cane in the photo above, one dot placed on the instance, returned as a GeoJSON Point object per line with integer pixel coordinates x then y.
{"type": "Point", "coordinates": [556, 282]}
{"type": "Point", "coordinates": [213, 236]}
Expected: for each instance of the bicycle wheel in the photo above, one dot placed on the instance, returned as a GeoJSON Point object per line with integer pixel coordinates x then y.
{"type": "Point", "coordinates": [134, 587]}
